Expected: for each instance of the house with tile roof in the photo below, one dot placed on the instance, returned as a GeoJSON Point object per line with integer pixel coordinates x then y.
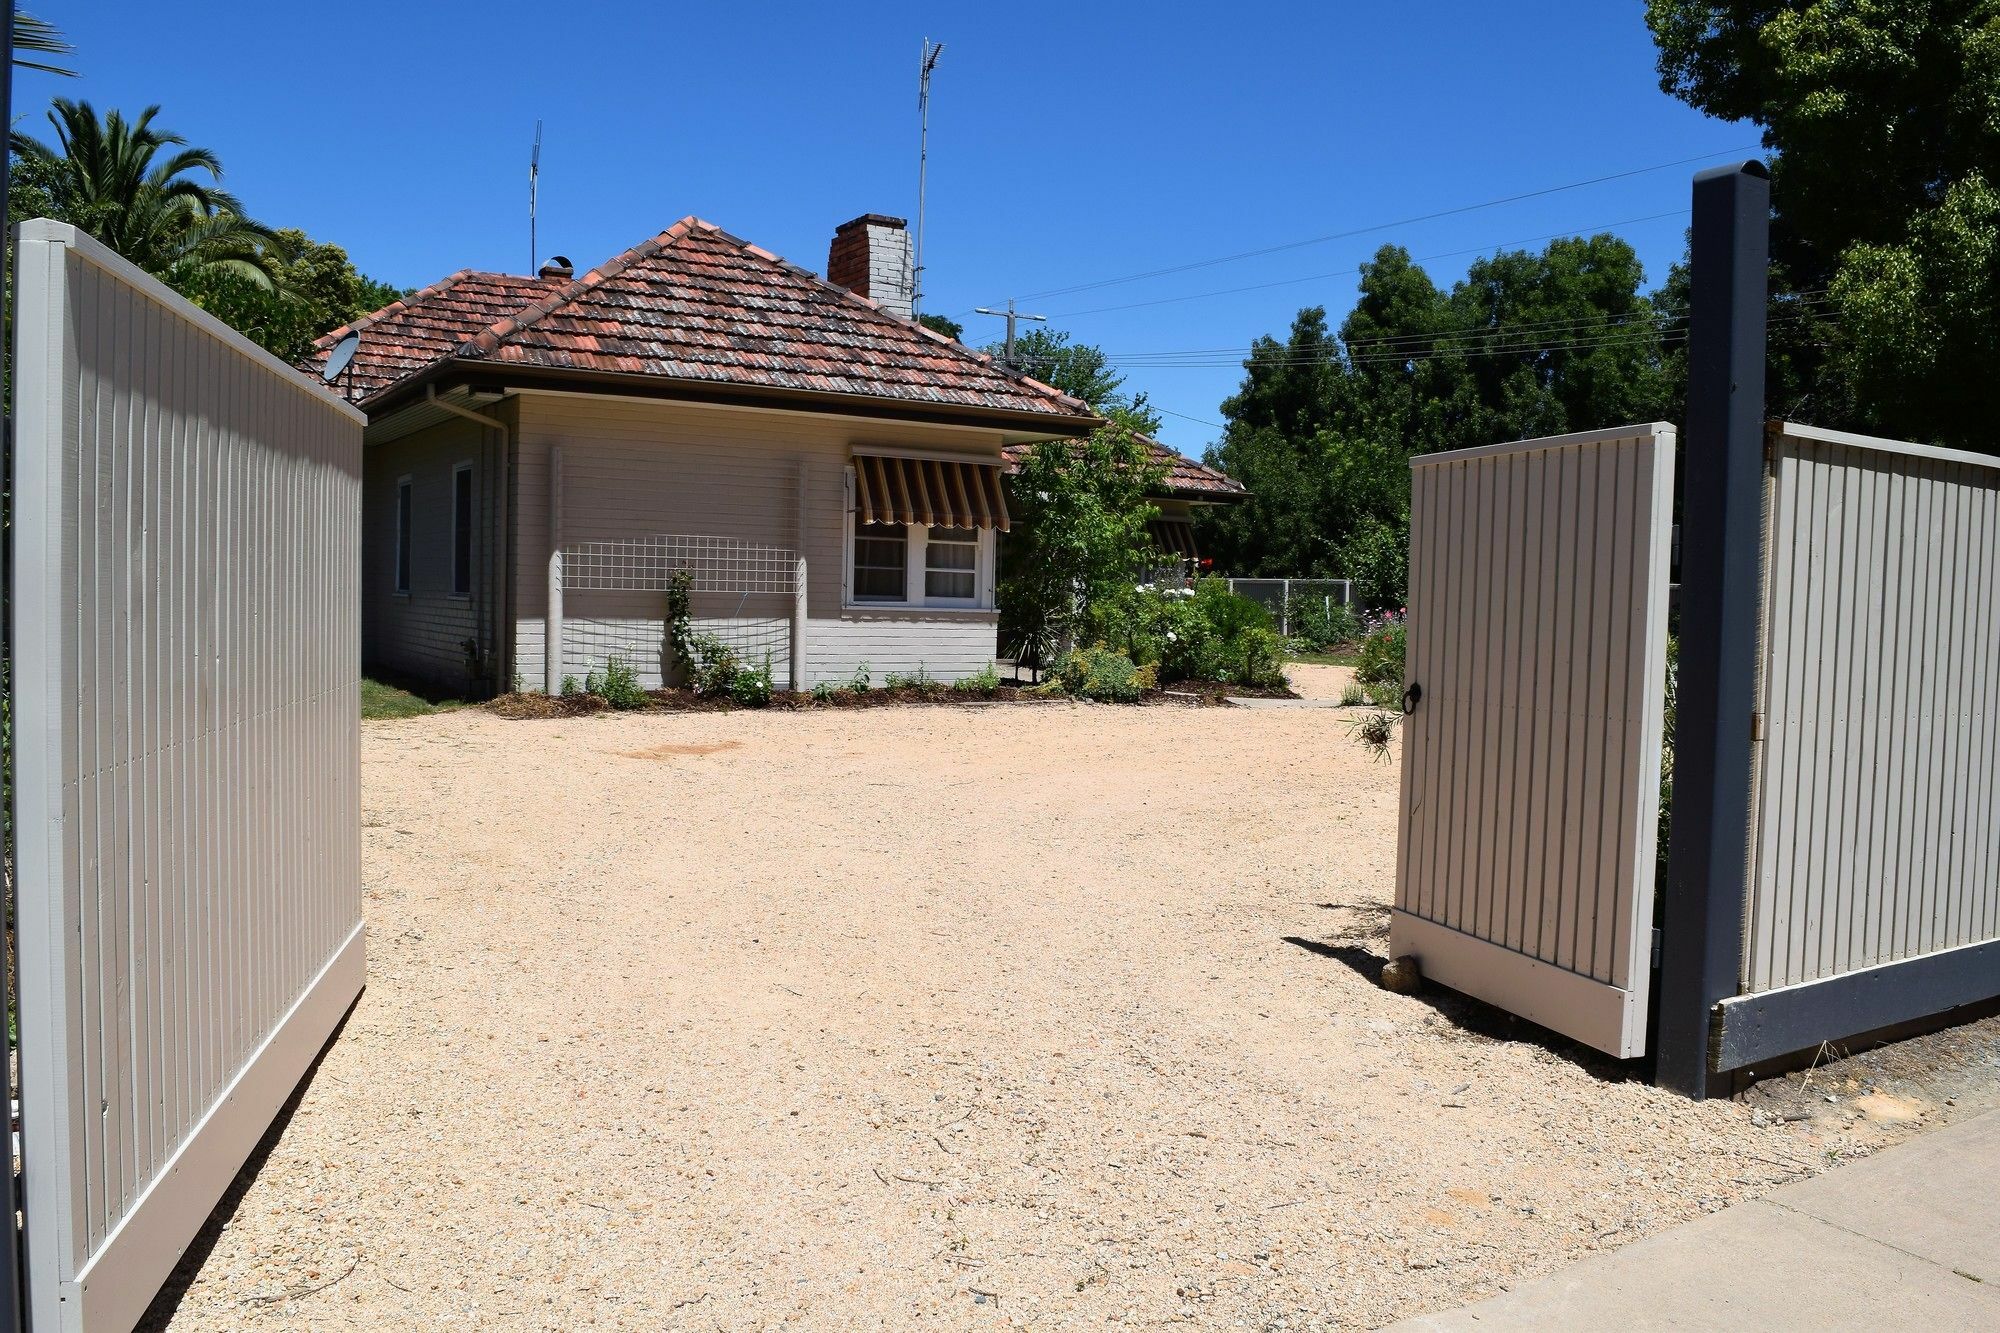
{"type": "Point", "coordinates": [543, 452]}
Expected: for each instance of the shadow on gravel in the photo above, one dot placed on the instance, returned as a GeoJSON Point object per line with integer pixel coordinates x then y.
{"type": "Point", "coordinates": [1467, 1019]}
{"type": "Point", "coordinates": [161, 1312]}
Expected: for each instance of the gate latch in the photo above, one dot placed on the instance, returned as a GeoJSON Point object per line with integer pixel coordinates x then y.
{"type": "Point", "coordinates": [1412, 697]}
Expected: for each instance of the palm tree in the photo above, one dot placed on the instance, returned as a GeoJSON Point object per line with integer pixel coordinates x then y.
{"type": "Point", "coordinates": [42, 37]}
{"type": "Point", "coordinates": [109, 178]}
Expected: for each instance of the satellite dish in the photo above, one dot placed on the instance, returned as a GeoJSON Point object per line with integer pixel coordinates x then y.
{"type": "Point", "coordinates": [340, 358]}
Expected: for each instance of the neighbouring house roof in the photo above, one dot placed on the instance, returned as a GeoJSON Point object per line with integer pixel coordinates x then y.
{"type": "Point", "coordinates": [1186, 479]}
{"type": "Point", "coordinates": [693, 305]}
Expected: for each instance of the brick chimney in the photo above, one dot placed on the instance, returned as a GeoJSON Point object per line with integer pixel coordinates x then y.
{"type": "Point", "coordinates": [871, 256]}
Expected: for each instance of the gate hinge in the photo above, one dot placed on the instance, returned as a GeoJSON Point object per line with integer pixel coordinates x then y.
{"type": "Point", "coordinates": [1756, 726]}
{"type": "Point", "coordinates": [1656, 946]}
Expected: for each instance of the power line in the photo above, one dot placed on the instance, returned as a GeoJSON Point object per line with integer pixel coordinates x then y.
{"type": "Point", "coordinates": [1384, 226]}
{"type": "Point", "coordinates": [1199, 421]}
{"type": "Point", "coordinates": [1355, 271]}
{"type": "Point", "coordinates": [1638, 333]}
{"type": "Point", "coordinates": [1527, 334]}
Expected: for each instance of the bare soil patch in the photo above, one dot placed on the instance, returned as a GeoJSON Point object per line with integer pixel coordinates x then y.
{"type": "Point", "coordinates": [949, 1018]}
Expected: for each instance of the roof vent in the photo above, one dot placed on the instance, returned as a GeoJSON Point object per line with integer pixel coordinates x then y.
{"type": "Point", "coordinates": [557, 267]}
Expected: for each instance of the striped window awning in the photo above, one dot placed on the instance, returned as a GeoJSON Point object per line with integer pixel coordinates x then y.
{"type": "Point", "coordinates": [936, 493]}
{"type": "Point", "coordinates": [1173, 536]}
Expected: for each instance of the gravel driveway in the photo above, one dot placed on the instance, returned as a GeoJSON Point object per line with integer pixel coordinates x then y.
{"type": "Point", "coordinates": [926, 1017]}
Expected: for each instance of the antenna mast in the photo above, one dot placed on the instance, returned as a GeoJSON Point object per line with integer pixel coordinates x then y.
{"type": "Point", "coordinates": [931, 54]}
{"type": "Point", "coordinates": [534, 187]}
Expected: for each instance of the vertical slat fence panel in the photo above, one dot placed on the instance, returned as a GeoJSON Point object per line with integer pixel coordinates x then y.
{"type": "Point", "coordinates": [1537, 633]}
{"type": "Point", "coordinates": [187, 762]}
{"type": "Point", "coordinates": [1876, 831]}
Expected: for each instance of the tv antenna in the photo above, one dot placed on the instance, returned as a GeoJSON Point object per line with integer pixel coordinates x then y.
{"type": "Point", "coordinates": [534, 189]}
{"type": "Point", "coordinates": [931, 54]}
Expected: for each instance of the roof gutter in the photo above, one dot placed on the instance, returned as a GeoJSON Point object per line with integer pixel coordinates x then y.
{"type": "Point", "coordinates": [450, 371]}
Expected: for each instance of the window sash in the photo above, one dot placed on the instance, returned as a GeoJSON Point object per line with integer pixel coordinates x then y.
{"type": "Point", "coordinates": [881, 562]}
{"type": "Point", "coordinates": [951, 564]}
{"type": "Point", "coordinates": [461, 531]}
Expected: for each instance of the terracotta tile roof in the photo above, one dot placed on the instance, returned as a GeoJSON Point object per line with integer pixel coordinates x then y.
{"type": "Point", "coordinates": [401, 339]}
{"type": "Point", "coordinates": [1186, 479]}
{"type": "Point", "coordinates": [694, 304]}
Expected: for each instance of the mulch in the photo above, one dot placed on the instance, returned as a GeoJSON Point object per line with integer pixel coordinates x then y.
{"type": "Point", "coordinates": [1196, 694]}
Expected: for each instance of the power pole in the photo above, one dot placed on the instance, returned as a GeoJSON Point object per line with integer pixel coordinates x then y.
{"type": "Point", "coordinates": [1010, 315]}
{"type": "Point", "coordinates": [931, 54]}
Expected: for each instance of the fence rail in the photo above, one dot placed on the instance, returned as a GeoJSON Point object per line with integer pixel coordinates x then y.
{"type": "Point", "coordinates": [187, 762]}
{"type": "Point", "coordinates": [1288, 599]}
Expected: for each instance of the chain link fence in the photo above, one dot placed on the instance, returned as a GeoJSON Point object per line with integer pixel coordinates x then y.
{"type": "Point", "coordinates": [1288, 599]}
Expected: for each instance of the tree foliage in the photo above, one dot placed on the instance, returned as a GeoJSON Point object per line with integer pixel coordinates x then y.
{"type": "Point", "coordinates": [1884, 120]}
{"type": "Point", "coordinates": [1324, 424]}
{"type": "Point", "coordinates": [1080, 513]}
{"type": "Point", "coordinates": [950, 328]}
{"type": "Point", "coordinates": [144, 193]}
{"type": "Point", "coordinates": [316, 288]}
{"type": "Point", "coordinates": [141, 190]}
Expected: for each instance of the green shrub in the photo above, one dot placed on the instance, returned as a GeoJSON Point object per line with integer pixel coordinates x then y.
{"type": "Point", "coordinates": [1320, 624]}
{"type": "Point", "coordinates": [712, 665]}
{"type": "Point", "coordinates": [986, 682]}
{"type": "Point", "coordinates": [1101, 674]}
{"type": "Point", "coordinates": [1380, 658]}
{"type": "Point", "coordinates": [570, 689]}
{"type": "Point", "coordinates": [919, 679]}
{"type": "Point", "coordinates": [860, 681]}
{"type": "Point", "coordinates": [752, 686]}
{"type": "Point", "coordinates": [618, 685]}
{"type": "Point", "coordinates": [1207, 634]}
{"type": "Point", "coordinates": [823, 692]}
{"type": "Point", "coordinates": [1353, 694]}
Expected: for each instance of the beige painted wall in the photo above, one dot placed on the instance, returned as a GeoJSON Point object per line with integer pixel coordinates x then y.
{"type": "Point", "coordinates": [638, 469]}
{"type": "Point", "coordinates": [419, 637]}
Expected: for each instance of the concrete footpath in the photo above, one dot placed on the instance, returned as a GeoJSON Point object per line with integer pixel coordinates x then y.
{"type": "Point", "coordinates": [1908, 1238]}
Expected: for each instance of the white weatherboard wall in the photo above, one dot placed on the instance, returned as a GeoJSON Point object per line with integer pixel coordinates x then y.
{"type": "Point", "coordinates": [1531, 765]}
{"type": "Point", "coordinates": [187, 763]}
{"type": "Point", "coordinates": [1877, 836]}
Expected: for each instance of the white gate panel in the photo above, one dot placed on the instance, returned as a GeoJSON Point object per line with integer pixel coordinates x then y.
{"type": "Point", "coordinates": [187, 762]}
{"type": "Point", "coordinates": [1537, 635]}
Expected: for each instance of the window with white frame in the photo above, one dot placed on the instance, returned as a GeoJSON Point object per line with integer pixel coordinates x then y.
{"type": "Point", "coordinates": [403, 517]}
{"type": "Point", "coordinates": [951, 565]}
{"type": "Point", "coordinates": [890, 564]}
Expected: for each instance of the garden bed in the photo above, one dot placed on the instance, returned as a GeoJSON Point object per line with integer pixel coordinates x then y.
{"type": "Point", "coordinates": [529, 707]}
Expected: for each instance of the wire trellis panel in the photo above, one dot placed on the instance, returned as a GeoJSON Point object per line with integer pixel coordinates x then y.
{"type": "Point", "coordinates": [646, 564]}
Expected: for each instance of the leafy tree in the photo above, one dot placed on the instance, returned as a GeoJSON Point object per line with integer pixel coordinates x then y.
{"type": "Point", "coordinates": [1885, 230]}
{"type": "Point", "coordinates": [1325, 423]}
{"type": "Point", "coordinates": [1080, 513]}
{"type": "Point", "coordinates": [109, 178]}
{"type": "Point", "coordinates": [950, 328]}
{"type": "Point", "coordinates": [1081, 371]}
{"type": "Point", "coordinates": [316, 288]}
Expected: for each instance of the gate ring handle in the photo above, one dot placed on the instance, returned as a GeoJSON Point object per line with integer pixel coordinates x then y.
{"type": "Point", "coordinates": [1412, 697]}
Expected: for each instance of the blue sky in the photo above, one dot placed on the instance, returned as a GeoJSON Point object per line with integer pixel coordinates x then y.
{"type": "Point", "coordinates": [1070, 143]}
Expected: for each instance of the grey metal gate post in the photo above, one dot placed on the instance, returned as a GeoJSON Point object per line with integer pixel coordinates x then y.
{"type": "Point", "coordinates": [1721, 529]}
